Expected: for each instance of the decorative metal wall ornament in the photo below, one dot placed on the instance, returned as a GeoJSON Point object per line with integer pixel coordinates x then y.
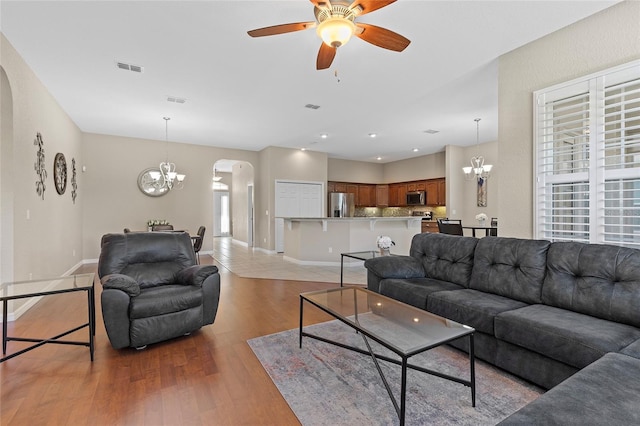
{"type": "Point", "coordinates": [482, 192]}
{"type": "Point", "coordinates": [39, 166]}
{"type": "Point", "coordinates": [60, 173]}
{"type": "Point", "coordinates": [74, 184]}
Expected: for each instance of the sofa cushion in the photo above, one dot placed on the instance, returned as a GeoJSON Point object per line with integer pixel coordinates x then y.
{"type": "Point", "coordinates": [598, 280]}
{"type": "Point", "coordinates": [445, 257]}
{"type": "Point", "coordinates": [163, 300]}
{"type": "Point", "coordinates": [510, 267]}
{"type": "Point", "coordinates": [471, 307]}
{"type": "Point", "coordinates": [570, 337]}
{"type": "Point", "coordinates": [606, 392]}
{"type": "Point", "coordinates": [414, 291]}
{"type": "Point", "coordinates": [632, 350]}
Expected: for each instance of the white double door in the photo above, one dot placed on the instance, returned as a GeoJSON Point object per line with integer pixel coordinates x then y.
{"type": "Point", "coordinates": [296, 199]}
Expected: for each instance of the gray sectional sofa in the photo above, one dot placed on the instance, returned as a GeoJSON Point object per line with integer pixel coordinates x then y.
{"type": "Point", "coordinates": [541, 310]}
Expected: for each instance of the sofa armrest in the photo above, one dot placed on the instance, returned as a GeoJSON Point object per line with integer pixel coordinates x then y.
{"type": "Point", "coordinates": [196, 274]}
{"type": "Point", "coordinates": [395, 267]}
{"type": "Point", "coordinates": [121, 282]}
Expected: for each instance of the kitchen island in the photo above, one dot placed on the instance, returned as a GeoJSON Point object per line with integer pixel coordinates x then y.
{"type": "Point", "coordinates": [320, 240]}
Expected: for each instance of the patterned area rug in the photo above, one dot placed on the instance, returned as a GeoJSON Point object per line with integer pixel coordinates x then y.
{"type": "Point", "coordinates": [327, 385]}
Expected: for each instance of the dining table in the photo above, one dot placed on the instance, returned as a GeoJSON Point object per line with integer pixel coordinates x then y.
{"type": "Point", "coordinates": [487, 229]}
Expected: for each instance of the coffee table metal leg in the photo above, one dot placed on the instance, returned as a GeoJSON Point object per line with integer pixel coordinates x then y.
{"type": "Point", "coordinates": [403, 391]}
{"type": "Point", "coordinates": [472, 361]}
{"type": "Point", "coordinates": [4, 327]}
{"type": "Point", "coordinates": [300, 333]}
{"type": "Point", "coordinates": [341, 268]}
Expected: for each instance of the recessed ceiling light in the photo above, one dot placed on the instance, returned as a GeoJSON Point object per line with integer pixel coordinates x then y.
{"type": "Point", "coordinates": [431, 131]}
{"type": "Point", "coordinates": [378, 158]}
{"type": "Point", "coordinates": [303, 149]}
{"type": "Point", "coordinates": [324, 135]}
{"type": "Point", "coordinates": [415, 150]}
{"type": "Point", "coordinates": [373, 135]}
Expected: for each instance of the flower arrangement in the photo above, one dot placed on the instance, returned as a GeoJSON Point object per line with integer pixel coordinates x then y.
{"type": "Point", "coordinates": [481, 217]}
{"type": "Point", "coordinates": [153, 222]}
{"type": "Point", "coordinates": [385, 242]}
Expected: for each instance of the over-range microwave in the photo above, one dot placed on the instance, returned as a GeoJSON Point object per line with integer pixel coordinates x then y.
{"type": "Point", "coordinates": [416, 198]}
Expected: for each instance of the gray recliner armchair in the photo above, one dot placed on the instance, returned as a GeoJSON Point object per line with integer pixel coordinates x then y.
{"type": "Point", "coordinates": [153, 290]}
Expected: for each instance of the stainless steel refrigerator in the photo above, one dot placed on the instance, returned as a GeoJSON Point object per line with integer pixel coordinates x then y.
{"type": "Point", "coordinates": [341, 204]}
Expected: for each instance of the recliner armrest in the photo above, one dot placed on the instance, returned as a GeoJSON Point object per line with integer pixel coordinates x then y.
{"type": "Point", "coordinates": [121, 282]}
{"type": "Point", "coordinates": [196, 274]}
{"type": "Point", "coordinates": [395, 267]}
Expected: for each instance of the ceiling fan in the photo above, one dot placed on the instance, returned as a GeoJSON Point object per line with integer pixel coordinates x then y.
{"type": "Point", "coordinates": [336, 23]}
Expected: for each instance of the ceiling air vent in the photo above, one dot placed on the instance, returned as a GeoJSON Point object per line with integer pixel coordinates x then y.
{"type": "Point", "coordinates": [176, 99]}
{"type": "Point", "coordinates": [129, 67]}
{"type": "Point", "coordinates": [312, 106]}
{"type": "Point", "coordinates": [432, 132]}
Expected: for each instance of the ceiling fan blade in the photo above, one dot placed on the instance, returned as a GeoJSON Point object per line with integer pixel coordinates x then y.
{"type": "Point", "coordinates": [281, 29]}
{"type": "Point", "coordinates": [382, 37]}
{"type": "Point", "coordinates": [325, 56]}
{"type": "Point", "coordinates": [322, 4]}
{"type": "Point", "coordinates": [369, 6]}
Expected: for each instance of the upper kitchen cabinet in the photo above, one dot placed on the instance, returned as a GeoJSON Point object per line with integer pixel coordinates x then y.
{"type": "Point", "coordinates": [366, 196]}
{"type": "Point", "coordinates": [436, 192]}
{"type": "Point", "coordinates": [382, 195]}
{"type": "Point", "coordinates": [398, 195]}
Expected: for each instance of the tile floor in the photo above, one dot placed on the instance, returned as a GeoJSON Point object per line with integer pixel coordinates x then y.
{"type": "Point", "coordinates": [250, 263]}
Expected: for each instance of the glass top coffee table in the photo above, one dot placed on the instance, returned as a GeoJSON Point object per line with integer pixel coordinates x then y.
{"type": "Point", "coordinates": [401, 328]}
{"type": "Point", "coordinates": [45, 287]}
{"type": "Point", "coordinates": [360, 255]}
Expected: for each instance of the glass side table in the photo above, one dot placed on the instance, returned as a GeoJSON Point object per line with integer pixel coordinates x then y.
{"type": "Point", "coordinates": [46, 287]}
{"type": "Point", "coordinates": [360, 255]}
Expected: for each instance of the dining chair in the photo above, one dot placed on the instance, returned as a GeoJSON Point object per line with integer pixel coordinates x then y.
{"type": "Point", "coordinates": [450, 226]}
{"type": "Point", "coordinates": [494, 224]}
{"type": "Point", "coordinates": [197, 242]}
{"type": "Point", "coordinates": [127, 230]}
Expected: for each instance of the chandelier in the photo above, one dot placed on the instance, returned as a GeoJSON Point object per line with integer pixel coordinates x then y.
{"type": "Point", "coordinates": [167, 177]}
{"type": "Point", "coordinates": [478, 169]}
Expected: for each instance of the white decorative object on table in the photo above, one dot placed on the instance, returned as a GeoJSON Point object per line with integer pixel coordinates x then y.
{"type": "Point", "coordinates": [481, 218]}
{"type": "Point", "coordinates": [384, 244]}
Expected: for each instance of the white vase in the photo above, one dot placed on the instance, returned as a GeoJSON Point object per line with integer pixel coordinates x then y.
{"type": "Point", "coordinates": [481, 222]}
{"type": "Point", "coordinates": [385, 252]}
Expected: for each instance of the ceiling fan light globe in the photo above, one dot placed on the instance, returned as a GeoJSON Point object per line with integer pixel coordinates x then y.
{"type": "Point", "coordinates": [336, 31]}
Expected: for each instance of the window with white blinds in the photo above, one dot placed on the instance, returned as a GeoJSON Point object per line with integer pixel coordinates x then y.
{"type": "Point", "coordinates": [587, 162]}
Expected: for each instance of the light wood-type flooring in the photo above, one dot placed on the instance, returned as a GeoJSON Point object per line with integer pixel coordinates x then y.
{"type": "Point", "coordinates": [209, 378]}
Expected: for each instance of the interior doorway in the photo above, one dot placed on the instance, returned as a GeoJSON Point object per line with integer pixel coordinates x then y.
{"type": "Point", "coordinates": [221, 214]}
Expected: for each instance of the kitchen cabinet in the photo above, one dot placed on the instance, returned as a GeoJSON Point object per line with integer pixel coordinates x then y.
{"type": "Point", "coordinates": [430, 226]}
{"type": "Point", "coordinates": [436, 192]}
{"type": "Point", "coordinates": [366, 196]}
{"type": "Point", "coordinates": [382, 195]}
{"type": "Point", "coordinates": [331, 187]}
{"type": "Point", "coordinates": [339, 187]}
{"type": "Point", "coordinates": [398, 195]}
{"type": "Point", "coordinates": [416, 186]}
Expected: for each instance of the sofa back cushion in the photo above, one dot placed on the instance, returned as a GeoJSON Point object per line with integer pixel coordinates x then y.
{"type": "Point", "coordinates": [510, 267]}
{"type": "Point", "coordinates": [594, 279]}
{"type": "Point", "coordinates": [150, 258]}
{"type": "Point", "coordinates": [445, 257]}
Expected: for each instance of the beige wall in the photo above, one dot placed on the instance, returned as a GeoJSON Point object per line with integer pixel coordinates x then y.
{"type": "Point", "coordinates": [44, 244]}
{"type": "Point", "coordinates": [607, 39]}
{"type": "Point", "coordinates": [354, 171]}
{"type": "Point", "coordinates": [425, 167]}
{"type": "Point", "coordinates": [113, 200]}
{"type": "Point", "coordinates": [283, 164]}
{"type": "Point", "coordinates": [242, 177]}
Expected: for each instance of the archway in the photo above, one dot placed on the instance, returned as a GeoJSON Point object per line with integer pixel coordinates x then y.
{"type": "Point", "coordinates": [6, 179]}
{"type": "Point", "coordinates": [236, 179]}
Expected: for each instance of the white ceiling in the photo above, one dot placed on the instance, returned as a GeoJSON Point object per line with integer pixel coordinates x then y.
{"type": "Point", "coordinates": [250, 93]}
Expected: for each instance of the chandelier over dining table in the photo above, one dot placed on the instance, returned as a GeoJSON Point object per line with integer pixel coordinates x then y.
{"type": "Point", "coordinates": [478, 169]}
{"type": "Point", "coordinates": [167, 176]}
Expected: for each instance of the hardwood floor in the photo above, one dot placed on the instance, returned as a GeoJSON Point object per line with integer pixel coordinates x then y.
{"type": "Point", "coordinates": [211, 377]}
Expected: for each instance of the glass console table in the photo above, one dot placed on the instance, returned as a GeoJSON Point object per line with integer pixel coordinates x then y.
{"type": "Point", "coordinates": [46, 287]}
